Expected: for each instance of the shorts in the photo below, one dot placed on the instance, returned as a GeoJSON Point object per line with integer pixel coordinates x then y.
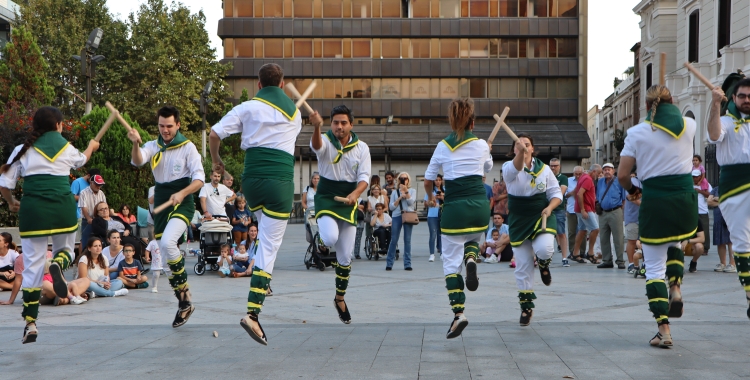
{"type": "Point", "coordinates": [561, 220]}
{"type": "Point", "coordinates": [631, 231]}
{"type": "Point", "coordinates": [590, 224]}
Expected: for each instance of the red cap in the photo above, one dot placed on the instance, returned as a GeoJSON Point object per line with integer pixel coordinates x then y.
{"type": "Point", "coordinates": [98, 180]}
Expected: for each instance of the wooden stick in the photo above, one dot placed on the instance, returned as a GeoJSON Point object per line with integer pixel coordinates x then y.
{"type": "Point", "coordinates": [163, 207]}
{"type": "Point", "coordinates": [120, 119]}
{"type": "Point", "coordinates": [544, 222]}
{"type": "Point", "coordinates": [506, 128]}
{"type": "Point", "coordinates": [663, 69]}
{"type": "Point", "coordinates": [697, 74]}
{"type": "Point", "coordinates": [296, 94]}
{"type": "Point", "coordinates": [341, 199]}
{"type": "Point", "coordinates": [105, 127]}
{"type": "Point", "coordinates": [305, 94]}
{"type": "Point", "coordinates": [500, 122]}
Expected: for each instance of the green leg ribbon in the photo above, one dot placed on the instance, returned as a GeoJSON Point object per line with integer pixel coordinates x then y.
{"type": "Point", "coordinates": [543, 263]}
{"type": "Point", "coordinates": [259, 283]}
{"type": "Point", "coordinates": [675, 265]}
{"type": "Point", "coordinates": [342, 278]}
{"type": "Point", "coordinates": [526, 299]}
{"type": "Point", "coordinates": [658, 301]}
{"type": "Point", "coordinates": [31, 303]}
{"type": "Point", "coordinates": [63, 259]}
{"type": "Point", "coordinates": [471, 250]}
{"type": "Point", "coordinates": [455, 285]}
{"type": "Point", "coordinates": [743, 269]}
{"type": "Point", "coordinates": [178, 279]}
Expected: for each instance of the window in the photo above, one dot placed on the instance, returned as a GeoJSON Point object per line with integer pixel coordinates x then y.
{"type": "Point", "coordinates": [478, 88]}
{"type": "Point", "coordinates": [332, 49]}
{"type": "Point", "coordinates": [228, 47]}
{"type": "Point", "coordinates": [420, 8]}
{"type": "Point", "coordinates": [273, 8]}
{"type": "Point", "coordinates": [332, 8]}
{"type": "Point", "coordinates": [390, 8]}
{"type": "Point", "coordinates": [420, 48]}
{"type": "Point", "coordinates": [420, 88]}
{"type": "Point", "coordinates": [390, 88]}
{"type": "Point", "coordinates": [361, 88]}
{"type": "Point", "coordinates": [725, 19]}
{"type": "Point", "coordinates": [537, 48]}
{"type": "Point", "coordinates": [244, 8]}
{"type": "Point", "coordinates": [479, 48]}
{"type": "Point", "coordinates": [522, 45]}
{"type": "Point", "coordinates": [228, 8]}
{"type": "Point", "coordinates": [303, 48]}
{"type": "Point", "coordinates": [567, 47]}
{"type": "Point", "coordinates": [361, 8]}
{"type": "Point", "coordinates": [273, 48]}
{"type": "Point", "coordinates": [649, 79]}
{"type": "Point", "coordinates": [361, 48]}
{"type": "Point", "coordinates": [693, 42]}
{"type": "Point", "coordinates": [537, 8]}
{"type": "Point", "coordinates": [567, 8]}
{"type": "Point", "coordinates": [508, 88]}
{"type": "Point", "coordinates": [303, 8]}
{"type": "Point", "coordinates": [479, 8]}
{"type": "Point", "coordinates": [509, 8]}
{"type": "Point", "coordinates": [448, 88]}
{"type": "Point", "coordinates": [448, 48]}
{"type": "Point", "coordinates": [536, 88]}
{"type": "Point", "coordinates": [552, 47]}
{"type": "Point", "coordinates": [450, 8]}
{"type": "Point", "coordinates": [391, 48]}
{"type": "Point", "coordinates": [244, 47]}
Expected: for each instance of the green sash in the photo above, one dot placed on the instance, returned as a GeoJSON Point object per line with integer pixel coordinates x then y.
{"type": "Point", "coordinates": [47, 206]}
{"type": "Point", "coordinates": [337, 144]}
{"type": "Point", "coordinates": [735, 114]}
{"type": "Point", "coordinates": [50, 145]}
{"type": "Point", "coordinates": [466, 209]}
{"type": "Point", "coordinates": [453, 143]}
{"type": "Point", "coordinates": [268, 163]}
{"type": "Point", "coordinates": [276, 98]}
{"type": "Point", "coordinates": [668, 119]}
{"type": "Point", "coordinates": [525, 218]}
{"type": "Point", "coordinates": [325, 205]}
{"type": "Point", "coordinates": [178, 141]}
{"type": "Point", "coordinates": [183, 211]}
{"type": "Point", "coordinates": [733, 180]}
{"type": "Point", "coordinates": [669, 209]}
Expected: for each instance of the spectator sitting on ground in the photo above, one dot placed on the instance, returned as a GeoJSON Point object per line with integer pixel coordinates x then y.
{"type": "Point", "coordinates": [94, 265]}
{"type": "Point", "coordinates": [225, 261]}
{"type": "Point", "coordinates": [17, 281]}
{"type": "Point", "coordinates": [104, 222]}
{"type": "Point", "coordinates": [126, 215]}
{"type": "Point", "coordinates": [244, 258]}
{"type": "Point", "coordinates": [130, 269]}
{"type": "Point", "coordinates": [241, 219]}
{"type": "Point", "coordinates": [8, 255]}
{"type": "Point", "coordinates": [113, 253]}
{"type": "Point", "coordinates": [501, 249]}
{"type": "Point", "coordinates": [694, 247]}
{"type": "Point", "coordinates": [76, 289]}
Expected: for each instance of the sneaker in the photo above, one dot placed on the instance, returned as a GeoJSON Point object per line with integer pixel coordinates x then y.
{"type": "Point", "coordinates": [730, 269]}
{"type": "Point", "coordinates": [432, 258]}
{"type": "Point", "coordinates": [29, 333]}
{"type": "Point", "coordinates": [566, 263]}
{"type": "Point", "coordinates": [77, 300]}
{"type": "Point", "coordinates": [121, 292]}
{"type": "Point", "coordinates": [719, 268]}
{"type": "Point", "coordinates": [91, 294]}
{"type": "Point", "coordinates": [154, 290]}
{"type": "Point", "coordinates": [693, 266]}
{"type": "Point", "coordinates": [631, 268]}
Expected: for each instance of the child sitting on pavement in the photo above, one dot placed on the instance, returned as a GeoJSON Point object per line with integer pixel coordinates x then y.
{"type": "Point", "coordinates": [243, 263]}
{"type": "Point", "coordinates": [224, 261]}
{"type": "Point", "coordinates": [490, 253]}
{"type": "Point", "coordinates": [130, 269]}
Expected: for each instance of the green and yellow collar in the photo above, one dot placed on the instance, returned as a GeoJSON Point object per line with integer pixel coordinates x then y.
{"type": "Point", "coordinates": [735, 114]}
{"type": "Point", "coordinates": [276, 98]}
{"type": "Point", "coordinates": [352, 143]}
{"type": "Point", "coordinates": [51, 145]}
{"type": "Point", "coordinates": [668, 119]}
{"type": "Point", "coordinates": [178, 141]}
{"type": "Point", "coordinates": [453, 143]}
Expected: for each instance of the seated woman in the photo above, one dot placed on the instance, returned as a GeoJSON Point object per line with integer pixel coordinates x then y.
{"type": "Point", "coordinates": [113, 253]}
{"type": "Point", "coordinates": [94, 266]}
{"type": "Point", "coordinates": [381, 223]}
{"type": "Point", "coordinates": [8, 255]}
{"type": "Point", "coordinates": [76, 290]}
{"type": "Point", "coordinates": [244, 257]}
{"type": "Point", "coordinates": [104, 222]}
{"type": "Point", "coordinates": [125, 214]}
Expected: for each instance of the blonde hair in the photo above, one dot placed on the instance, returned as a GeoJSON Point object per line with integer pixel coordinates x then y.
{"type": "Point", "coordinates": [461, 115]}
{"type": "Point", "coordinates": [655, 95]}
{"type": "Point", "coordinates": [407, 176]}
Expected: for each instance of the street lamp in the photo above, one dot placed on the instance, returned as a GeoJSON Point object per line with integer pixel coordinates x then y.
{"type": "Point", "coordinates": [88, 62]}
{"type": "Point", "coordinates": [203, 103]}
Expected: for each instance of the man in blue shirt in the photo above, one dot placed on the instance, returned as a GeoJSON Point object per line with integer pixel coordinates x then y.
{"type": "Point", "coordinates": [76, 187]}
{"type": "Point", "coordinates": [611, 197]}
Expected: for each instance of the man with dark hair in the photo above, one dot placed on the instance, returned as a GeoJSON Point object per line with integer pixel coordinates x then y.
{"type": "Point", "coordinates": [178, 172]}
{"type": "Point", "coordinates": [269, 123]}
{"type": "Point", "coordinates": [389, 183]}
{"type": "Point", "coordinates": [344, 165]}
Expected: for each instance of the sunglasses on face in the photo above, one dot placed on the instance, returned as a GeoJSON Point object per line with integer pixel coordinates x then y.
{"type": "Point", "coordinates": [742, 96]}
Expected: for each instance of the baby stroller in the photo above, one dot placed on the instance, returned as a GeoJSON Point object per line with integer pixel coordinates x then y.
{"type": "Point", "coordinates": [314, 256]}
{"type": "Point", "coordinates": [373, 248]}
{"type": "Point", "coordinates": [214, 234]}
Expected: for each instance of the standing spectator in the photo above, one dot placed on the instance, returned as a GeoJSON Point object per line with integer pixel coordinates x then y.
{"type": "Point", "coordinates": [213, 196]}
{"type": "Point", "coordinates": [704, 191]}
{"type": "Point", "coordinates": [722, 239]}
{"type": "Point", "coordinates": [487, 188]}
{"type": "Point", "coordinates": [374, 180]}
{"type": "Point", "coordinates": [76, 187]}
{"type": "Point", "coordinates": [500, 198]}
{"type": "Point", "coordinates": [88, 198]}
{"type": "Point", "coordinates": [404, 199]}
{"type": "Point", "coordinates": [572, 218]}
{"type": "Point", "coordinates": [228, 181]}
{"type": "Point", "coordinates": [611, 197]}
{"type": "Point", "coordinates": [308, 196]}
{"type": "Point", "coordinates": [126, 215]}
{"type": "Point", "coordinates": [241, 219]}
{"type": "Point", "coordinates": [501, 248]}
{"type": "Point", "coordinates": [130, 269]}
{"type": "Point", "coordinates": [559, 212]}
{"type": "Point", "coordinates": [585, 210]}
{"type": "Point", "coordinates": [17, 281]}
{"type": "Point", "coordinates": [151, 191]}
{"type": "Point", "coordinates": [229, 207]}
{"type": "Point", "coordinates": [389, 185]}
{"type": "Point", "coordinates": [632, 208]}
{"type": "Point", "coordinates": [94, 266]}
{"type": "Point", "coordinates": [433, 216]}
{"type": "Point", "coordinates": [697, 164]}
{"type": "Point", "coordinates": [8, 256]}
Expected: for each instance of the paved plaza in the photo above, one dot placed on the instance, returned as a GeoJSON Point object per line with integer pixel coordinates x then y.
{"type": "Point", "coordinates": [590, 324]}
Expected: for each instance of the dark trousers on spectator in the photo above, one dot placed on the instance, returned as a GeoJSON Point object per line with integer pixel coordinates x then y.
{"type": "Point", "coordinates": [610, 225]}
{"type": "Point", "coordinates": [572, 224]}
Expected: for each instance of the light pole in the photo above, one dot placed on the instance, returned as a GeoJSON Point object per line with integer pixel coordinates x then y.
{"type": "Point", "coordinates": [88, 62]}
{"type": "Point", "coordinates": [203, 103]}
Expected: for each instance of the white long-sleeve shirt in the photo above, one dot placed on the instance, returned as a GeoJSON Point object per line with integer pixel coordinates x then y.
{"type": "Point", "coordinates": [354, 166]}
{"type": "Point", "coordinates": [261, 126]}
{"type": "Point", "coordinates": [473, 158]}
{"type": "Point", "coordinates": [519, 182]}
{"type": "Point", "coordinates": [33, 163]}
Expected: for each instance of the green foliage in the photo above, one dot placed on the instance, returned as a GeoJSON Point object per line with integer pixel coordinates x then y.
{"type": "Point", "coordinates": [617, 82]}
{"type": "Point", "coordinates": [630, 70]}
{"type": "Point", "coordinates": [244, 97]}
{"type": "Point", "coordinates": [23, 71]}
{"type": "Point", "coordinates": [619, 138]}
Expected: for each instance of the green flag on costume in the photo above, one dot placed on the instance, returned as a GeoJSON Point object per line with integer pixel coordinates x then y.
{"type": "Point", "coordinates": [668, 119]}
{"type": "Point", "coordinates": [453, 143]}
{"type": "Point", "coordinates": [336, 144]}
{"type": "Point", "coordinates": [50, 145]}
{"type": "Point", "coordinates": [178, 141]}
{"type": "Point", "coordinates": [735, 114]}
{"type": "Point", "coordinates": [276, 98]}
{"type": "Point", "coordinates": [536, 169]}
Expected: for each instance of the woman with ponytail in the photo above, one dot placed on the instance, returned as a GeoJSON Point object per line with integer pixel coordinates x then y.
{"type": "Point", "coordinates": [662, 146]}
{"type": "Point", "coordinates": [464, 159]}
{"type": "Point", "coordinates": [44, 162]}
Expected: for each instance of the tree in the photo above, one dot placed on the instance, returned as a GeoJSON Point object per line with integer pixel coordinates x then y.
{"type": "Point", "coordinates": [244, 97]}
{"type": "Point", "coordinates": [617, 82]}
{"type": "Point", "coordinates": [23, 71]}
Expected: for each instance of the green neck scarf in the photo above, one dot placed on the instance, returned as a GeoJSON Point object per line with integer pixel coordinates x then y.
{"type": "Point", "coordinates": [735, 114]}
{"type": "Point", "coordinates": [354, 141]}
{"type": "Point", "coordinates": [276, 98]}
{"type": "Point", "coordinates": [668, 119]}
{"type": "Point", "coordinates": [537, 166]}
{"type": "Point", "coordinates": [453, 143]}
{"type": "Point", "coordinates": [50, 145]}
{"type": "Point", "coordinates": [178, 141]}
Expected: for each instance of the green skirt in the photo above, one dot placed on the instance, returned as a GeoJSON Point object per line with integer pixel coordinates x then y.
{"type": "Point", "coordinates": [525, 218]}
{"type": "Point", "coordinates": [325, 205]}
{"type": "Point", "coordinates": [733, 180]}
{"type": "Point", "coordinates": [47, 207]}
{"type": "Point", "coordinates": [669, 210]}
{"type": "Point", "coordinates": [183, 211]}
{"type": "Point", "coordinates": [466, 209]}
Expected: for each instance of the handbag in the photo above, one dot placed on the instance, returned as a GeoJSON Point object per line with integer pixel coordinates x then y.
{"type": "Point", "coordinates": [408, 217]}
{"type": "Point", "coordinates": [597, 206]}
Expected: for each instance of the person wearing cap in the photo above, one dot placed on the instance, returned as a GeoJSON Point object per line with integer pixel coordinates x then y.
{"type": "Point", "coordinates": [703, 194]}
{"type": "Point", "coordinates": [178, 173]}
{"type": "Point", "coordinates": [88, 198]}
{"type": "Point", "coordinates": [611, 197]}
{"type": "Point", "coordinates": [662, 147]}
{"type": "Point", "coordinates": [76, 187]}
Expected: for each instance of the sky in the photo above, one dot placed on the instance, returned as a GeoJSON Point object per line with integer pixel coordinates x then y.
{"type": "Point", "coordinates": [613, 30]}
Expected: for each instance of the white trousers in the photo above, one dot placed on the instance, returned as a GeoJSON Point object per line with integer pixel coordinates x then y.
{"type": "Point", "coordinates": [655, 258]}
{"type": "Point", "coordinates": [35, 255]}
{"type": "Point", "coordinates": [736, 212]}
{"type": "Point", "coordinates": [340, 235]}
{"type": "Point", "coordinates": [270, 235]}
{"type": "Point", "coordinates": [168, 242]}
{"type": "Point", "coordinates": [453, 251]}
{"type": "Point", "coordinates": [543, 247]}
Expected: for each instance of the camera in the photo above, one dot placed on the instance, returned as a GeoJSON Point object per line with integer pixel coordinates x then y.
{"type": "Point", "coordinates": [402, 181]}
